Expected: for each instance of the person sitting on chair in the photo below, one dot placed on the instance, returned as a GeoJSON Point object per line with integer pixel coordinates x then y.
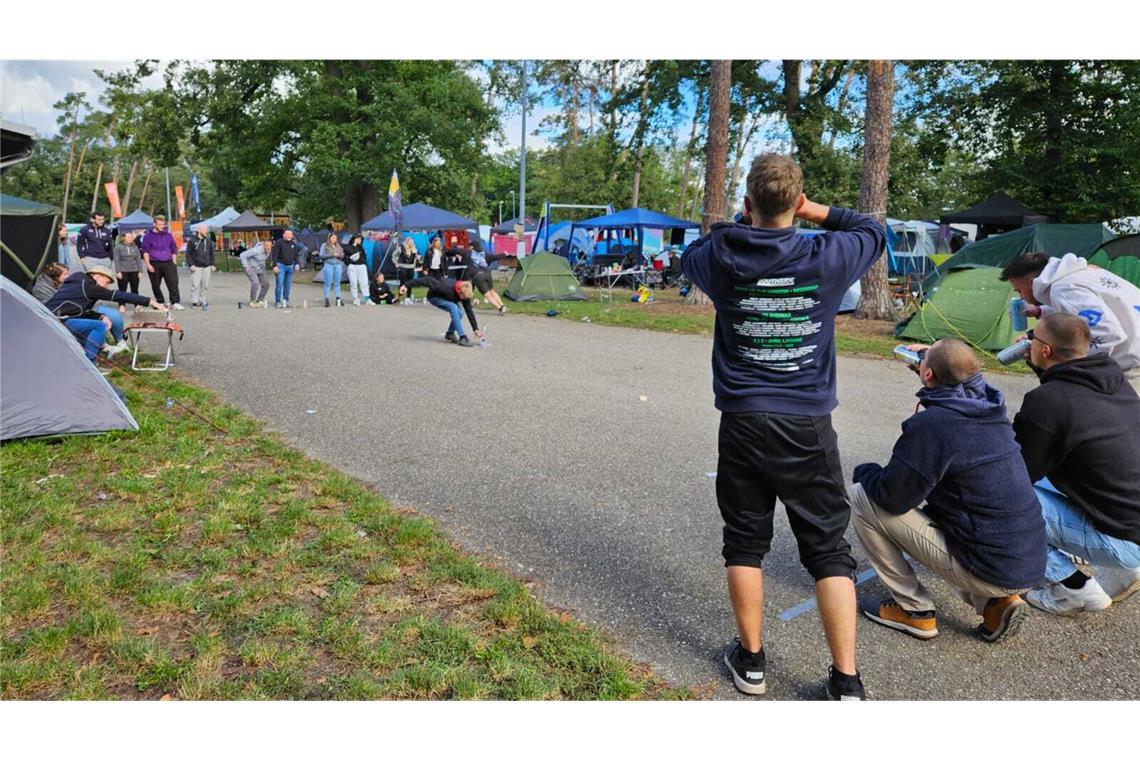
{"type": "Point", "coordinates": [981, 529]}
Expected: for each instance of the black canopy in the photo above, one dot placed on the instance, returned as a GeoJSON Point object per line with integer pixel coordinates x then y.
{"type": "Point", "coordinates": [250, 222]}
{"type": "Point", "coordinates": [998, 213]}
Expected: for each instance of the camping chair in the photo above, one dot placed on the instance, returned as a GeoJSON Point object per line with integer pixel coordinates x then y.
{"type": "Point", "coordinates": [134, 335]}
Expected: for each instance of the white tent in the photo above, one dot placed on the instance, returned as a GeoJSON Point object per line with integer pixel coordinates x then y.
{"type": "Point", "coordinates": [219, 220]}
{"type": "Point", "coordinates": [47, 384]}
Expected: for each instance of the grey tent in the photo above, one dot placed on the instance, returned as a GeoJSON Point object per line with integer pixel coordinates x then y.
{"type": "Point", "coordinates": [136, 220]}
{"type": "Point", "coordinates": [47, 385]}
{"type": "Point", "coordinates": [27, 238]}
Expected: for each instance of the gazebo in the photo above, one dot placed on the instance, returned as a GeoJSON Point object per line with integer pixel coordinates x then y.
{"type": "Point", "coordinates": [997, 214]}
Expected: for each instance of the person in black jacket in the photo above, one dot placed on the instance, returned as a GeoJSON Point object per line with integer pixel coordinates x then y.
{"type": "Point", "coordinates": [200, 257]}
{"type": "Point", "coordinates": [980, 530]}
{"type": "Point", "coordinates": [285, 259]}
{"type": "Point", "coordinates": [95, 243]}
{"type": "Point", "coordinates": [75, 301]}
{"type": "Point", "coordinates": [379, 291]}
{"type": "Point", "coordinates": [447, 294]}
{"type": "Point", "coordinates": [474, 269]}
{"type": "Point", "coordinates": [1081, 430]}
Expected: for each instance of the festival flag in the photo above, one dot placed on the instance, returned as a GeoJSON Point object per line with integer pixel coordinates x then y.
{"type": "Point", "coordinates": [181, 201]}
{"type": "Point", "coordinates": [112, 189]}
{"type": "Point", "coordinates": [394, 203]}
{"type": "Point", "coordinates": [195, 195]}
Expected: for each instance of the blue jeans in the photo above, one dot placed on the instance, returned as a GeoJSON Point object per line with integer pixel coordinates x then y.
{"type": "Point", "coordinates": [111, 313]}
{"type": "Point", "coordinates": [91, 332]}
{"type": "Point", "coordinates": [284, 282]}
{"type": "Point", "coordinates": [332, 270]}
{"type": "Point", "coordinates": [1068, 529]}
{"type": "Point", "coordinates": [453, 309]}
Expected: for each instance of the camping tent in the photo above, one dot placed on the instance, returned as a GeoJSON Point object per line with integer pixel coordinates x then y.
{"type": "Point", "coordinates": [507, 227]}
{"type": "Point", "coordinates": [136, 220]}
{"type": "Point", "coordinates": [637, 219]}
{"type": "Point", "coordinates": [544, 277]}
{"type": "Point", "coordinates": [999, 250]}
{"type": "Point", "coordinates": [1121, 256]}
{"type": "Point", "coordinates": [248, 221]}
{"type": "Point", "coordinates": [48, 386]}
{"type": "Point", "coordinates": [420, 216]}
{"type": "Point", "coordinates": [971, 304]}
{"type": "Point", "coordinates": [996, 214]}
{"type": "Point", "coordinates": [915, 246]}
{"type": "Point", "coordinates": [27, 238]}
{"type": "Point", "coordinates": [216, 222]}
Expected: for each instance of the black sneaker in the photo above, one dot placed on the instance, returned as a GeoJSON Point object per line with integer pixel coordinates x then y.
{"type": "Point", "coordinates": [465, 342]}
{"type": "Point", "coordinates": [844, 688]}
{"type": "Point", "coordinates": [747, 668]}
{"type": "Point", "coordinates": [450, 337]}
{"type": "Point", "coordinates": [326, 303]}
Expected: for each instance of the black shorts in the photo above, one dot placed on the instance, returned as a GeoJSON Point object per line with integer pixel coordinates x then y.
{"type": "Point", "coordinates": [764, 457]}
{"type": "Point", "coordinates": [481, 279]}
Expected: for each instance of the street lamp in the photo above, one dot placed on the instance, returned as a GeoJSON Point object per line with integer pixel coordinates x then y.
{"type": "Point", "coordinates": [500, 212]}
{"type": "Point", "coordinates": [514, 213]}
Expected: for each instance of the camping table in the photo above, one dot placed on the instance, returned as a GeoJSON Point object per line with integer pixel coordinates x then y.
{"type": "Point", "coordinates": [135, 333]}
{"type": "Point", "coordinates": [609, 278]}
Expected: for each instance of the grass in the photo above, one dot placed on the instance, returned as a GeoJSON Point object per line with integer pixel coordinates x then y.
{"type": "Point", "coordinates": [668, 312]}
{"type": "Point", "coordinates": [189, 563]}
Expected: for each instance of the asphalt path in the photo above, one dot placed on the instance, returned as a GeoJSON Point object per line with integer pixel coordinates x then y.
{"type": "Point", "coordinates": [580, 456]}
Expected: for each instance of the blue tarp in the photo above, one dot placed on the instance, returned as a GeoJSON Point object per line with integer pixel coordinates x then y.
{"type": "Point", "coordinates": [420, 216]}
{"type": "Point", "coordinates": [136, 220]}
{"type": "Point", "coordinates": [637, 217]}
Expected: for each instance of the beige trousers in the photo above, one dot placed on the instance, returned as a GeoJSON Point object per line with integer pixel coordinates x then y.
{"type": "Point", "coordinates": [199, 285]}
{"type": "Point", "coordinates": [886, 536]}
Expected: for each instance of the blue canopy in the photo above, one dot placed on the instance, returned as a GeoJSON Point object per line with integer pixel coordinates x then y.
{"type": "Point", "coordinates": [636, 217]}
{"type": "Point", "coordinates": [136, 220]}
{"type": "Point", "coordinates": [420, 216]}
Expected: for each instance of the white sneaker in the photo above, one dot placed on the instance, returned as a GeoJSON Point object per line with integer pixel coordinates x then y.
{"type": "Point", "coordinates": [178, 307]}
{"type": "Point", "coordinates": [356, 302]}
{"type": "Point", "coordinates": [1060, 600]}
{"type": "Point", "coordinates": [118, 348]}
{"type": "Point", "coordinates": [1118, 582]}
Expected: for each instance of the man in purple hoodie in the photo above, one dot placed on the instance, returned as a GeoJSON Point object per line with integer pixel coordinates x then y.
{"type": "Point", "coordinates": [776, 294]}
{"type": "Point", "coordinates": [159, 249]}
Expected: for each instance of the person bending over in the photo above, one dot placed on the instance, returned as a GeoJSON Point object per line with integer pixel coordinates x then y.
{"type": "Point", "coordinates": [253, 262]}
{"type": "Point", "coordinates": [447, 294]}
{"type": "Point", "coordinates": [75, 300]}
{"type": "Point", "coordinates": [1080, 429]}
{"type": "Point", "coordinates": [478, 273]}
{"type": "Point", "coordinates": [980, 529]}
{"type": "Point", "coordinates": [776, 294]}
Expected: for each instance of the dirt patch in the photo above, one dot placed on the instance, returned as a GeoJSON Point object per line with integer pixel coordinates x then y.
{"type": "Point", "coordinates": [864, 328]}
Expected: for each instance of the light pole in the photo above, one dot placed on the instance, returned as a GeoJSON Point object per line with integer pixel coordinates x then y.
{"type": "Point", "coordinates": [514, 214]}
{"type": "Point", "coordinates": [500, 212]}
{"type": "Point", "coordinates": [522, 150]}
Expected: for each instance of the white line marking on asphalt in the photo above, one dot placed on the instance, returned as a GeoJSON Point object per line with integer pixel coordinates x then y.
{"type": "Point", "coordinates": [807, 605]}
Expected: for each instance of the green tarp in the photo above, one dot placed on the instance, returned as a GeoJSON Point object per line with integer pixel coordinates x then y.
{"type": "Point", "coordinates": [544, 277]}
{"type": "Point", "coordinates": [999, 250]}
{"type": "Point", "coordinates": [970, 304]}
{"type": "Point", "coordinates": [1120, 256]}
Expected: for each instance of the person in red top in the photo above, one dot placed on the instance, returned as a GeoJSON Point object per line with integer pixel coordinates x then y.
{"type": "Point", "coordinates": [159, 250]}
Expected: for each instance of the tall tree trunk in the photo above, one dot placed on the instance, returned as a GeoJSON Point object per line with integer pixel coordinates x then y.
{"type": "Point", "coordinates": [747, 131]}
{"type": "Point", "coordinates": [684, 194]}
{"type": "Point", "coordinates": [130, 182]}
{"type": "Point", "coordinates": [642, 127]}
{"type": "Point", "coordinates": [369, 202]}
{"type": "Point", "coordinates": [352, 214]}
{"type": "Point", "coordinates": [716, 156]}
{"type": "Point", "coordinates": [876, 301]}
{"type": "Point", "coordinates": [146, 184]}
{"type": "Point", "coordinates": [70, 161]}
{"type": "Point", "coordinates": [82, 155]}
{"type": "Point", "coordinates": [95, 192]}
{"type": "Point", "coordinates": [842, 103]}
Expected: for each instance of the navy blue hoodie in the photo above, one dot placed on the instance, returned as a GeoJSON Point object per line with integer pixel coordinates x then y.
{"type": "Point", "coordinates": [960, 457]}
{"type": "Point", "coordinates": [776, 294]}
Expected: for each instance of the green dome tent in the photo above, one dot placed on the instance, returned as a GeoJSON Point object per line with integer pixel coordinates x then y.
{"type": "Point", "coordinates": [544, 277]}
{"type": "Point", "coordinates": [970, 304]}
{"type": "Point", "coordinates": [1121, 257]}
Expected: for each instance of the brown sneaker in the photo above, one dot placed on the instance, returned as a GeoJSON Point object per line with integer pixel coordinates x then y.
{"type": "Point", "coordinates": [1002, 617]}
{"type": "Point", "coordinates": [921, 625]}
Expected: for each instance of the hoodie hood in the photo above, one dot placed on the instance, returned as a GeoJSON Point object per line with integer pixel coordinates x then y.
{"type": "Point", "coordinates": [1098, 372]}
{"type": "Point", "coordinates": [974, 397]}
{"type": "Point", "coordinates": [1055, 270]}
{"type": "Point", "coordinates": [748, 253]}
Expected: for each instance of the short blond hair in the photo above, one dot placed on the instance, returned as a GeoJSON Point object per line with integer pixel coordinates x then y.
{"type": "Point", "coordinates": [775, 183]}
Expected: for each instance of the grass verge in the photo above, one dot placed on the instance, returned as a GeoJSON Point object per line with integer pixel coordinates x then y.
{"type": "Point", "coordinates": [183, 562]}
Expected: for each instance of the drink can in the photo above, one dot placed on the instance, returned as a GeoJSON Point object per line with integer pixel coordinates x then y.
{"type": "Point", "coordinates": [912, 358]}
{"type": "Point", "coordinates": [1013, 353]}
{"type": "Point", "coordinates": [1017, 317]}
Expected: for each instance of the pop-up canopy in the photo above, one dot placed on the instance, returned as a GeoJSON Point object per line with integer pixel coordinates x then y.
{"type": "Point", "coordinates": [638, 219]}
{"type": "Point", "coordinates": [136, 220]}
{"type": "Point", "coordinates": [250, 222]}
{"type": "Point", "coordinates": [421, 216]}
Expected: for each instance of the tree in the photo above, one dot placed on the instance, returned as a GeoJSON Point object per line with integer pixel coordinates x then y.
{"type": "Point", "coordinates": [716, 154]}
{"type": "Point", "coordinates": [876, 301]}
{"type": "Point", "coordinates": [71, 104]}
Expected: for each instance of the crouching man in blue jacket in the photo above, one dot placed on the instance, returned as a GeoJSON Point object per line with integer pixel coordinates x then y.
{"type": "Point", "coordinates": [981, 528]}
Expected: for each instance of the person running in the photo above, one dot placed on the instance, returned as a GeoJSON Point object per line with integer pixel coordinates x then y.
{"type": "Point", "coordinates": [74, 300]}
{"type": "Point", "coordinates": [128, 264]}
{"type": "Point", "coordinates": [253, 262]}
{"type": "Point", "coordinates": [406, 261]}
{"type": "Point", "coordinates": [357, 262]}
{"type": "Point", "coordinates": [448, 294]}
{"type": "Point", "coordinates": [379, 291]}
{"type": "Point", "coordinates": [332, 267]}
{"type": "Point", "coordinates": [285, 259]}
{"type": "Point", "coordinates": [773, 365]}
{"type": "Point", "coordinates": [159, 251]}
{"type": "Point", "coordinates": [200, 258]}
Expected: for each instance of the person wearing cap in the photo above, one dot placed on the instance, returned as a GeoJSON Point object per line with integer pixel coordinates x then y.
{"type": "Point", "coordinates": [447, 294]}
{"type": "Point", "coordinates": [74, 303]}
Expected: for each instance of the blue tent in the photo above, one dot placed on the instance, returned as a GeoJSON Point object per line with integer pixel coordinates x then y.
{"type": "Point", "coordinates": [638, 219]}
{"type": "Point", "coordinates": [420, 216]}
{"type": "Point", "coordinates": [136, 220]}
